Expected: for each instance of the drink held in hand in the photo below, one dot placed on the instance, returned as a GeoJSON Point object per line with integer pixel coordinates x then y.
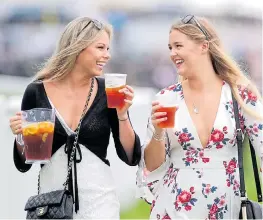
{"type": "Point", "coordinates": [37, 134]}
{"type": "Point", "coordinates": [168, 104]}
{"type": "Point", "coordinates": [38, 140]}
{"type": "Point", "coordinates": [170, 114]}
{"type": "Point", "coordinates": [113, 83]}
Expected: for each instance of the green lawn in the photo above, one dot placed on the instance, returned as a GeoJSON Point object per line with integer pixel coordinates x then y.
{"type": "Point", "coordinates": [141, 209]}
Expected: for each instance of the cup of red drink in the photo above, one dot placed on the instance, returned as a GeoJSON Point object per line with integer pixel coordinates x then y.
{"type": "Point", "coordinates": [37, 134]}
{"type": "Point", "coordinates": [113, 83]}
{"type": "Point", "coordinates": [168, 105]}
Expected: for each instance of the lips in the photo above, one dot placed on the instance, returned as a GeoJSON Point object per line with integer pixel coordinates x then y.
{"type": "Point", "coordinates": [100, 65]}
{"type": "Point", "coordinates": [179, 62]}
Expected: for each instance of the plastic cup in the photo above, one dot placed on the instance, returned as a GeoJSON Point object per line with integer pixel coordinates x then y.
{"type": "Point", "coordinates": [113, 83]}
{"type": "Point", "coordinates": [169, 106]}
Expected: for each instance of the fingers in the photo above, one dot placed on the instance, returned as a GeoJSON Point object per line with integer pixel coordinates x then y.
{"type": "Point", "coordinates": [128, 101]}
{"type": "Point", "coordinates": [128, 91]}
{"type": "Point", "coordinates": [15, 123]}
{"type": "Point", "coordinates": [130, 88]}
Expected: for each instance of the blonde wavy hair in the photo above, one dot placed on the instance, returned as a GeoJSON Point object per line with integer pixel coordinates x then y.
{"type": "Point", "coordinates": [226, 68]}
{"type": "Point", "coordinates": [77, 35]}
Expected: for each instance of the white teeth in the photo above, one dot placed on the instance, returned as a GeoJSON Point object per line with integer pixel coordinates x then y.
{"type": "Point", "coordinates": [101, 64]}
{"type": "Point", "coordinates": [179, 61]}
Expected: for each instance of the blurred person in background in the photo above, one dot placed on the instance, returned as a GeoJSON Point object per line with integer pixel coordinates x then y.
{"type": "Point", "coordinates": [191, 171]}
{"type": "Point", "coordinates": [67, 83]}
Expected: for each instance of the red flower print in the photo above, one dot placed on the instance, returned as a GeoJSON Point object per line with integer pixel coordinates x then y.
{"type": "Point", "coordinates": [219, 146]}
{"type": "Point", "coordinates": [255, 129]}
{"type": "Point", "coordinates": [189, 159]}
{"type": "Point", "coordinates": [251, 96]}
{"type": "Point", "coordinates": [188, 207]}
{"type": "Point", "coordinates": [224, 129]}
{"type": "Point", "coordinates": [162, 92]}
{"type": "Point", "coordinates": [205, 160]}
{"type": "Point", "coordinates": [201, 154]}
{"type": "Point", "coordinates": [166, 217]}
{"type": "Point", "coordinates": [212, 217]}
{"type": "Point", "coordinates": [172, 87]}
{"type": "Point", "coordinates": [184, 197]}
{"type": "Point", "coordinates": [207, 190]}
{"type": "Point", "coordinates": [217, 136]}
{"type": "Point", "coordinates": [183, 138]}
{"type": "Point", "coordinates": [153, 204]}
{"type": "Point", "coordinates": [231, 167]}
{"type": "Point", "coordinates": [192, 189]}
{"type": "Point", "coordinates": [222, 202]}
{"type": "Point", "coordinates": [213, 209]}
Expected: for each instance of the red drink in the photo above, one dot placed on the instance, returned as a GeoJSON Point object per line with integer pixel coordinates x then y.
{"type": "Point", "coordinates": [38, 139]}
{"type": "Point", "coordinates": [169, 123]}
{"type": "Point", "coordinates": [115, 99]}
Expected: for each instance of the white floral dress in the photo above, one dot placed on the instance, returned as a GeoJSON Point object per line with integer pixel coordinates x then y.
{"type": "Point", "coordinates": [196, 182]}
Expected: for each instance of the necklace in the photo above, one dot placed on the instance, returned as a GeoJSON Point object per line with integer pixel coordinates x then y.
{"type": "Point", "coordinates": [196, 111]}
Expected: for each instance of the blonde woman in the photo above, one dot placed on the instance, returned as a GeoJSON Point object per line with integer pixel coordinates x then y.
{"type": "Point", "coordinates": [191, 170]}
{"type": "Point", "coordinates": [64, 83]}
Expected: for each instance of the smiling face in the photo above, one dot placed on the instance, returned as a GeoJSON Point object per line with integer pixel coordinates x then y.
{"type": "Point", "coordinates": [185, 53]}
{"type": "Point", "coordinates": [93, 58]}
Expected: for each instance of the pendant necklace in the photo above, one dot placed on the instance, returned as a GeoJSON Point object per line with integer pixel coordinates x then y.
{"type": "Point", "coordinates": [196, 111]}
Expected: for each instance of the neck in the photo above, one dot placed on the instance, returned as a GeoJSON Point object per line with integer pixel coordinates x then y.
{"type": "Point", "coordinates": [204, 79]}
{"type": "Point", "coordinates": [77, 79]}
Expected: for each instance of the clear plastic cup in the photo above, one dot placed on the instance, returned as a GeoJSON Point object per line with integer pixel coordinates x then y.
{"type": "Point", "coordinates": [37, 134]}
{"type": "Point", "coordinates": [113, 83]}
{"type": "Point", "coordinates": [170, 106]}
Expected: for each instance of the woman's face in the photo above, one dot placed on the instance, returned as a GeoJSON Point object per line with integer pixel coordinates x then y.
{"type": "Point", "coordinates": [93, 58]}
{"type": "Point", "coordinates": [185, 53]}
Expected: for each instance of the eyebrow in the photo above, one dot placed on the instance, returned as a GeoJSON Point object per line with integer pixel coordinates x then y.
{"type": "Point", "coordinates": [174, 43]}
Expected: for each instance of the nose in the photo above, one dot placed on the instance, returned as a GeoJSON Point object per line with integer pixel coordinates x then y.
{"type": "Point", "coordinates": [173, 55]}
{"type": "Point", "coordinates": [107, 55]}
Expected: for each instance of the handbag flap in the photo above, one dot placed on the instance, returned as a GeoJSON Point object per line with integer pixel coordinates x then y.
{"type": "Point", "coordinates": [45, 199]}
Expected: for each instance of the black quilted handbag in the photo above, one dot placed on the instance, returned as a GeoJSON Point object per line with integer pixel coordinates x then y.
{"type": "Point", "coordinates": [56, 204]}
{"type": "Point", "coordinates": [53, 205]}
{"type": "Point", "coordinates": [249, 209]}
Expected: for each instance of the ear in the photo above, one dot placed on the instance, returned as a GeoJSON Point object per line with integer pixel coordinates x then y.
{"type": "Point", "coordinates": [205, 46]}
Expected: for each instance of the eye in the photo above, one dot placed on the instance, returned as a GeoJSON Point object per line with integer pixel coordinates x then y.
{"type": "Point", "coordinates": [169, 47]}
{"type": "Point", "coordinates": [101, 47]}
{"type": "Point", "coordinates": [178, 46]}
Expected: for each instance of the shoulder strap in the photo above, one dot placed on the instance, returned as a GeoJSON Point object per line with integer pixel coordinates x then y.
{"type": "Point", "coordinates": [240, 150]}
{"type": "Point", "coordinates": [240, 157]}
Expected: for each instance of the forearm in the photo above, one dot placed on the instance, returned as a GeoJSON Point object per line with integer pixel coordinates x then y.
{"type": "Point", "coordinates": [154, 154]}
{"type": "Point", "coordinates": [127, 136]}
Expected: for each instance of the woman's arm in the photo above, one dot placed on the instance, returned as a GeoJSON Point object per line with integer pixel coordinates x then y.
{"type": "Point", "coordinates": [253, 126]}
{"type": "Point", "coordinates": [127, 142]}
{"type": "Point", "coordinates": [28, 102]}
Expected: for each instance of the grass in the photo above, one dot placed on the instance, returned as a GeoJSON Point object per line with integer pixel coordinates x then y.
{"type": "Point", "coordinates": [141, 209]}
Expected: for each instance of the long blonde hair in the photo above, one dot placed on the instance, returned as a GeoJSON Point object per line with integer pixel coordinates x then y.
{"type": "Point", "coordinates": [226, 68]}
{"type": "Point", "coordinates": [78, 34]}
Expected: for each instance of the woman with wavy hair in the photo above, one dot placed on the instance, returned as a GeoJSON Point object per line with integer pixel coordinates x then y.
{"type": "Point", "coordinates": [65, 83]}
{"type": "Point", "coordinates": [191, 170]}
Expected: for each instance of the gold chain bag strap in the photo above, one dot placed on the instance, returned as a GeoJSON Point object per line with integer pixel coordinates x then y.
{"type": "Point", "coordinates": [56, 204]}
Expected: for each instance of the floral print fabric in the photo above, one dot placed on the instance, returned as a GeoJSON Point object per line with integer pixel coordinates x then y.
{"type": "Point", "coordinates": [197, 182]}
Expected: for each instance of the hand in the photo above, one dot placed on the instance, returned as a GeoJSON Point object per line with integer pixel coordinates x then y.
{"type": "Point", "coordinates": [129, 95]}
{"type": "Point", "coordinates": [15, 123]}
{"type": "Point", "coordinates": [157, 117]}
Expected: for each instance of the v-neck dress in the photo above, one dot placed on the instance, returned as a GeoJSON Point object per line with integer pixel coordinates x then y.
{"type": "Point", "coordinates": [197, 182]}
{"type": "Point", "coordinates": [97, 196]}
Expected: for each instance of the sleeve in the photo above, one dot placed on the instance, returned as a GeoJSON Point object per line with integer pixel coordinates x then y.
{"type": "Point", "coordinates": [28, 102]}
{"type": "Point", "coordinates": [253, 125]}
{"type": "Point", "coordinates": [114, 123]}
{"type": "Point", "coordinates": [148, 182]}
